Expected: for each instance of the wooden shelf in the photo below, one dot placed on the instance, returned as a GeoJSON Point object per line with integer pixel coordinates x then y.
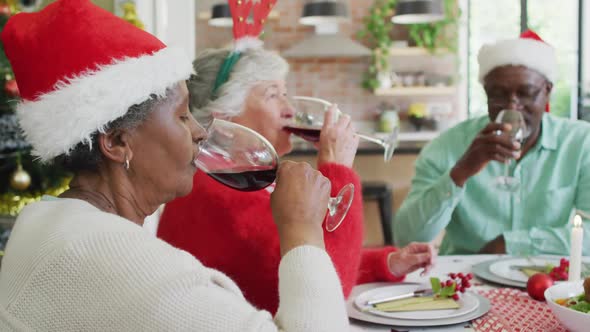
{"type": "Point", "coordinates": [417, 91]}
{"type": "Point", "coordinates": [416, 51]}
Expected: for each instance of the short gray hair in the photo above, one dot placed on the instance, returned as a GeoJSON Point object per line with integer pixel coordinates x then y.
{"type": "Point", "coordinates": [254, 66]}
{"type": "Point", "coordinates": [87, 157]}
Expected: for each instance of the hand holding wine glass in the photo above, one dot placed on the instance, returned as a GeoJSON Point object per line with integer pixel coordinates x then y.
{"type": "Point", "coordinates": [242, 159]}
{"type": "Point", "coordinates": [518, 132]}
{"type": "Point", "coordinates": [338, 142]}
{"type": "Point", "coordinates": [486, 146]}
{"type": "Point", "coordinates": [298, 205]}
{"type": "Point", "coordinates": [309, 119]}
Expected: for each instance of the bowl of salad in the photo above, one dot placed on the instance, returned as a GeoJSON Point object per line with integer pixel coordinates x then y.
{"type": "Point", "coordinates": [570, 302]}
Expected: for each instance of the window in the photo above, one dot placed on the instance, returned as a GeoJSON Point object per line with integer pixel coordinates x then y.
{"type": "Point", "coordinates": [557, 24]}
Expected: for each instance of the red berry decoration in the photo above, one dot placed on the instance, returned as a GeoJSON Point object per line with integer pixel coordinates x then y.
{"type": "Point", "coordinates": [11, 88]}
{"type": "Point", "coordinates": [537, 284]}
{"type": "Point", "coordinates": [451, 288]}
{"type": "Point", "coordinates": [559, 273]}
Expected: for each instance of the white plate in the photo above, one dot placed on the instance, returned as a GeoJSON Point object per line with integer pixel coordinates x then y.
{"type": "Point", "coordinates": [482, 271]}
{"type": "Point", "coordinates": [354, 313]}
{"type": "Point", "coordinates": [468, 303]}
{"type": "Point", "coordinates": [504, 268]}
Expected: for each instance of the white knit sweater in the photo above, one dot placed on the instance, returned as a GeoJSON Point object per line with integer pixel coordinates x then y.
{"type": "Point", "coordinates": [72, 267]}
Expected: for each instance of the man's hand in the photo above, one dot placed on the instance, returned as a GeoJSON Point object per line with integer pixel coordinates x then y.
{"type": "Point", "coordinates": [299, 204]}
{"type": "Point", "coordinates": [410, 258]}
{"type": "Point", "coordinates": [487, 146]}
{"type": "Point", "coordinates": [496, 246]}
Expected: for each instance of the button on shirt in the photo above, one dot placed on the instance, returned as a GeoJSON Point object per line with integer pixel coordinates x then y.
{"type": "Point", "coordinates": [554, 180]}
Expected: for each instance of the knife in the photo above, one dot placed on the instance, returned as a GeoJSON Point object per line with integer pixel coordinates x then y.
{"type": "Point", "coordinates": [417, 293]}
{"type": "Point", "coordinates": [529, 267]}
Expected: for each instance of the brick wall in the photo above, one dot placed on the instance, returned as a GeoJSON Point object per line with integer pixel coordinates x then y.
{"type": "Point", "coordinates": [334, 79]}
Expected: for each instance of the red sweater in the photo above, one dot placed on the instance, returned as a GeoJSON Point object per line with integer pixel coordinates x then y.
{"type": "Point", "coordinates": [234, 232]}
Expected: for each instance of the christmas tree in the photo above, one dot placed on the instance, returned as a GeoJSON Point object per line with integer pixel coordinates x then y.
{"type": "Point", "coordinates": [22, 178]}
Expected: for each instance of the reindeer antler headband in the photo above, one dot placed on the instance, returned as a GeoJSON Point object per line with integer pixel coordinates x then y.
{"type": "Point", "coordinates": [245, 32]}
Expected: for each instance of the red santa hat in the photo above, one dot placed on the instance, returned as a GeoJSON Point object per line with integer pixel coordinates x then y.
{"type": "Point", "coordinates": [529, 50]}
{"type": "Point", "coordinates": [79, 67]}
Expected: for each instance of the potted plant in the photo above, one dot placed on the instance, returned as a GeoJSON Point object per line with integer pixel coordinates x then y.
{"type": "Point", "coordinates": [441, 34]}
{"type": "Point", "coordinates": [377, 28]}
{"type": "Point", "coordinates": [417, 115]}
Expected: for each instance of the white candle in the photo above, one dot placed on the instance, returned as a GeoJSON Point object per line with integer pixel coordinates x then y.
{"type": "Point", "coordinates": [576, 249]}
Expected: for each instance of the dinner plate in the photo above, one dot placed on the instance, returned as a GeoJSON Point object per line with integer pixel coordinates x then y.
{"type": "Point", "coordinates": [467, 303]}
{"type": "Point", "coordinates": [508, 268]}
{"type": "Point", "coordinates": [354, 313]}
{"type": "Point", "coordinates": [482, 271]}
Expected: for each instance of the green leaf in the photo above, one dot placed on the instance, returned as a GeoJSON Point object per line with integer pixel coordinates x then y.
{"type": "Point", "coordinates": [582, 306]}
{"type": "Point", "coordinates": [447, 291]}
{"type": "Point", "coordinates": [548, 268]}
{"type": "Point", "coordinates": [435, 283]}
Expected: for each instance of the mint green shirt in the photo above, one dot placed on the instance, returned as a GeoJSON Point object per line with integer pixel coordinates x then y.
{"type": "Point", "coordinates": [554, 177]}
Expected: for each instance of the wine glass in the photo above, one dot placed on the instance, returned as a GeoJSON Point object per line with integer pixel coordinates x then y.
{"type": "Point", "coordinates": [241, 158]}
{"type": "Point", "coordinates": [518, 133]}
{"type": "Point", "coordinates": [309, 118]}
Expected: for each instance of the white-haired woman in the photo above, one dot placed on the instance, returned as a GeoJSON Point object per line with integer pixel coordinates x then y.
{"type": "Point", "coordinates": [111, 104]}
{"type": "Point", "coordinates": [240, 224]}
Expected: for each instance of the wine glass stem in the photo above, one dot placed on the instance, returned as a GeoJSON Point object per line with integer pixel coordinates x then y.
{"type": "Point", "coordinates": [370, 139]}
{"type": "Point", "coordinates": [333, 204]}
{"type": "Point", "coordinates": [507, 168]}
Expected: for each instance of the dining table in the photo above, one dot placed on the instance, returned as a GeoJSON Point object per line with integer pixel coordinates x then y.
{"type": "Point", "coordinates": [511, 308]}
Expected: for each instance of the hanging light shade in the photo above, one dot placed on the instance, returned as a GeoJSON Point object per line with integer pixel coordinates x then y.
{"type": "Point", "coordinates": [320, 12]}
{"type": "Point", "coordinates": [418, 11]}
{"type": "Point", "coordinates": [221, 16]}
{"type": "Point", "coordinates": [29, 5]}
{"type": "Point", "coordinates": [326, 42]}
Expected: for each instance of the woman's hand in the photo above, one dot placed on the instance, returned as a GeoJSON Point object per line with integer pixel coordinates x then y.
{"type": "Point", "coordinates": [299, 204]}
{"type": "Point", "coordinates": [338, 142]}
{"type": "Point", "coordinates": [410, 258]}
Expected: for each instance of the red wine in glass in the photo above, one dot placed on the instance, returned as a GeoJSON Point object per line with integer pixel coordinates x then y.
{"type": "Point", "coordinates": [311, 134]}
{"type": "Point", "coordinates": [246, 178]}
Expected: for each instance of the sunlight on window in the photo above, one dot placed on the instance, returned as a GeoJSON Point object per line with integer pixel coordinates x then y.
{"type": "Point", "coordinates": [560, 29]}
{"type": "Point", "coordinates": [489, 21]}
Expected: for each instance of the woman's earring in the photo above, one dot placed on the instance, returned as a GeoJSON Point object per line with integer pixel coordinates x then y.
{"type": "Point", "coordinates": [126, 164]}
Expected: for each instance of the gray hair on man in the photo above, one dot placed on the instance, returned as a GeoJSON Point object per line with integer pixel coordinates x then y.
{"type": "Point", "coordinates": [254, 66]}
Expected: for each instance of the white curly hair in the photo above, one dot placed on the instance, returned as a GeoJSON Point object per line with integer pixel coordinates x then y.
{"type": "Point", "coordinates": [253, 66]}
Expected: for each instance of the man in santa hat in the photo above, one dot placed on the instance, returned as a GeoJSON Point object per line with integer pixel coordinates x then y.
{"type": "Point", "coordinates": [456, 183]}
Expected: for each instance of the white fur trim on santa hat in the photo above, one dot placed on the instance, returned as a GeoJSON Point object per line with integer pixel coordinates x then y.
{"type": "Point", "coordinates": [79, 106]}
{"type": "Point", "coordinates": [530, 53]}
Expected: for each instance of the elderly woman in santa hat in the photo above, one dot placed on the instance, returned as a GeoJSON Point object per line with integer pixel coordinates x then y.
{"type": "Point", "coordinates": [454, 189]}
{"type": "Point", "coordinates": [252, 92]}
{"type": "Point", "coordinates": [110, 103]}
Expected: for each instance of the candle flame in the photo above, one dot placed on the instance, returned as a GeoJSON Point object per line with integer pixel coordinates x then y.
{"type": "Point", "coordinates": [577, 221]}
